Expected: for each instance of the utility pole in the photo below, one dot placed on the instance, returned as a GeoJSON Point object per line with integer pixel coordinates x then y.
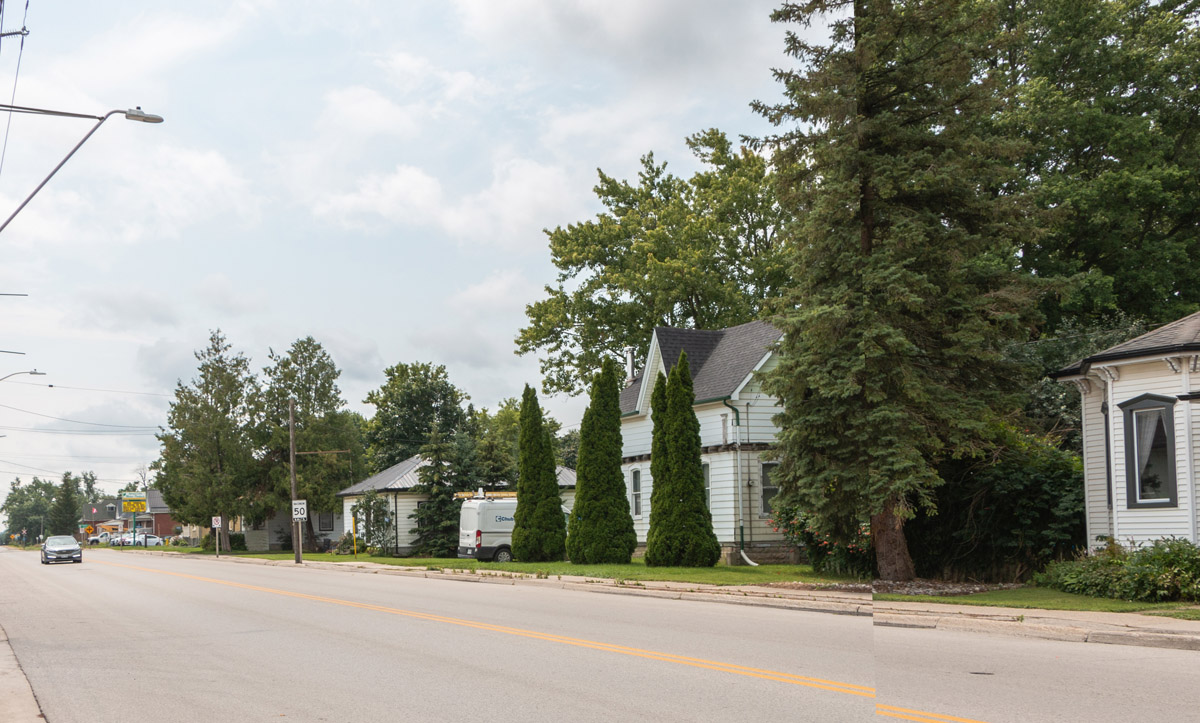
{"type": "Point", "coordinates": [296, 539]}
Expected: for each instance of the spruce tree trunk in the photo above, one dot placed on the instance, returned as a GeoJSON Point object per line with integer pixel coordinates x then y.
{"type": "Point", "coordinates": [891, 547]}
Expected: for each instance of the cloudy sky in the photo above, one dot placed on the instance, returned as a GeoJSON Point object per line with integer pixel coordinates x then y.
{"type": "Point", "coordinates": [375, 174]}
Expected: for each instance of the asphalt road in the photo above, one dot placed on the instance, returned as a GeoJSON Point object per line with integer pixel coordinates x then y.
{"type": "Point", "coordinates": [129, 636]}
{"type": "Point", "coordinates": [1002, 679]}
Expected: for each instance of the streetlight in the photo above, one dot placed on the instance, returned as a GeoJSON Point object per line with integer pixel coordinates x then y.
{"type": "Point", "coordinates": [135, 114]}
{"type": "Point", "coordinates": [32, 372]}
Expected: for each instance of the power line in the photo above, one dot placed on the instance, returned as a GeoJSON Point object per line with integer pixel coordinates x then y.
{"type": "Point", "coordinates": [82, 432]}
{"type": "Point", "coordinates": [20, 54]}
{"type": "Point", "coordinates": [143, 427]}
{"type": "Point", "coordinates": [92, 389]}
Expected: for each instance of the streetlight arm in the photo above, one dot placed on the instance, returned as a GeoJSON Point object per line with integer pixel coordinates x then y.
{"type": "Point", "coordinates": [136, 114]}
{"type": "Point", "coordinates": [60, 165]}
{"type": "Point", "coordinates": [33, 372]}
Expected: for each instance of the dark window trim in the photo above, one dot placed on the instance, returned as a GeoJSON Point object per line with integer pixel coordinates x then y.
{"type": "Point", "coordinates": [1140, 403]}
{"type": "Point", "coordinates": [321, 526]}
{"type": "Point", "coordinates": [635, 492]}
{"type": "Point", "coordinates": [1189, 396]}
{"type": "Point", "coordinates": [763, 502]}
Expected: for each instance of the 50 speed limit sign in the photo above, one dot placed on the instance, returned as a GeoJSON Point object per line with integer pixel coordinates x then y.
{"type": "Point", "coordinates": [299, 510]}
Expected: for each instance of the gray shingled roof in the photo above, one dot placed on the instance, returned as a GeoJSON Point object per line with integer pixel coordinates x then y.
{"type": "Point", "coordinates": [1178, 336]}
{"type": "Point", "coordinates": [404, 476]}
{"type": "Point", "coordinates": [720, 359]}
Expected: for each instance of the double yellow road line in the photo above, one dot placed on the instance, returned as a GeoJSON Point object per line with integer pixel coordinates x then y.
{"type": "Point", "coordinates": [773, 675]}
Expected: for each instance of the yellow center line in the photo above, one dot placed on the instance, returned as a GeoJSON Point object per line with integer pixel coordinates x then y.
{"type": "Point", "coordinates": [919, 715]}
{"type": "Point", "coordinates": [773, 675]}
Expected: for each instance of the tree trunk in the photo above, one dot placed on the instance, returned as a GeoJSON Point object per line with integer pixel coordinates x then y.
{"type": "Point", "coordinates": [310, 536]}
{"type": "Point", "coordinates": [891, 548]}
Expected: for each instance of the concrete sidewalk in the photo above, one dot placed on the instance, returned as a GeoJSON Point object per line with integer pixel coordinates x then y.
{"type": "Point", "coordinates": [17, 702]}
{"type": "Point", "coordinates": [1069, 625]}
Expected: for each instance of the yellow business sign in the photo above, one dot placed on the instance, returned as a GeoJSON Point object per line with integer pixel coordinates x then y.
{"type": "Point", "coordinates": [133, 502]}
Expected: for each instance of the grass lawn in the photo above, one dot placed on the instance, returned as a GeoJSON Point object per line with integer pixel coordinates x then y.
{"type": "Point", "coordinates": [636, 570]}
{"type": "Point", "coordinates": [1042, 598]}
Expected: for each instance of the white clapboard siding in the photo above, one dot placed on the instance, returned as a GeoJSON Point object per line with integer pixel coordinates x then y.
{"type": "Point", "coordinates": [1143, 525]}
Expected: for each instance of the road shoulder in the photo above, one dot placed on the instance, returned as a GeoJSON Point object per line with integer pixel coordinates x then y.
{"type": "Point", "coordinates": [17, 702]}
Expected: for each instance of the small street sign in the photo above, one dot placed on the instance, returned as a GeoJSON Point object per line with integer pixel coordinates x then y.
{"type": "Point", "coordinates": [299, 510]}
{"type": "Point", "coordinates": [216, 523]}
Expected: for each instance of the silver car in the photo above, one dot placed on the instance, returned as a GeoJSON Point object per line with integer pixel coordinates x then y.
{"type": "Point", "coordinates": [61, 548]}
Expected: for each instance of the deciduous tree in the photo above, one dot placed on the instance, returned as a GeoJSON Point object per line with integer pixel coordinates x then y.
{"type": "Point", "coordinates": [700, 253]}
{"type": "Point", "coordinates": [407, 405]}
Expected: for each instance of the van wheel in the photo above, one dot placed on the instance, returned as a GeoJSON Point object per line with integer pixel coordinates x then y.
{"type": "Point", "coordinates": [502, 555]}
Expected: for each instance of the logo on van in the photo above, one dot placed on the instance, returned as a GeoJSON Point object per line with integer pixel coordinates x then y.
{"type": "Point", "coordinates": [502, 518]}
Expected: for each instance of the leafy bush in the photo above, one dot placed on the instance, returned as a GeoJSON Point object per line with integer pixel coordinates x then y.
{"type": "Point", "coordinates": [826, 554]}
{"type": "Point", "coordinates": [346, 545]}
{"type": "Point", "coordinates": [1001, 519]}
{"type": "Point", "coordinates": [1167, 570]}
{"type": "Point", "coordinates": [237, 541]}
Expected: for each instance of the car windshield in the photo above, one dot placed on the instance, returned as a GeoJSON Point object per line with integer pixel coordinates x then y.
{"type": "Point", "coordinates": [60, 540]}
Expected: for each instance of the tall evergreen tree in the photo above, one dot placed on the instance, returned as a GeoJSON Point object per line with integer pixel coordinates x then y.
{"type": "Point", "coordinates": [539, 531]}
{"type": "Point", "coordinates": [437, 518]}
{"type": "Point", "coordinates": [660, 471]}
{"type": "Point", "coordinates": [601, 528]}
{"type": "Point", "coordinates": [905, 292]}
{"type": "Point", "coordinates": [64, 515]}
{"type": "Point", "coordinates": [682, 533]}
{"type": "Point", "coordinates": [207, 464]}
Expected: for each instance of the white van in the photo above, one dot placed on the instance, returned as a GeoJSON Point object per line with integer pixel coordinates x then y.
{"type": "Point", "coordinates": [485, 528]}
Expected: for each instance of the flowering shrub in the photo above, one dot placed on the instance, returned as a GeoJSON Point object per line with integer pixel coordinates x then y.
{"type": "Point", "coordinates": [852, 557]}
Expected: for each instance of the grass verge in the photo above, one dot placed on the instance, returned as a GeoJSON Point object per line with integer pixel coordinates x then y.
{"type": "Point", "coordinates": [633, 572]}
{"type": "Point", "coordinates": [1041, 598]}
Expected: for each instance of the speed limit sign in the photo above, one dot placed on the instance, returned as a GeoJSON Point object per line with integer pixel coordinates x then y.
{"type": "Point", "coordinates": [299, 510]}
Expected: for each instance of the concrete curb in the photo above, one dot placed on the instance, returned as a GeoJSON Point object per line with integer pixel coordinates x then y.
{"type": "Point", "coordinates": [17, 702]}
{"type": "Point", "coordinates": [839, 603]}
{"type": "Point", "coordinates": [1069, 626]}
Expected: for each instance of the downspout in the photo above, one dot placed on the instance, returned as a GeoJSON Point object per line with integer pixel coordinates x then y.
{"type": "Point", "coordinates": [1188, 363]}
{"type": "Point", "coordinates": [737, 447]}
{"type": "Point", "coordinates": [1112, 458]}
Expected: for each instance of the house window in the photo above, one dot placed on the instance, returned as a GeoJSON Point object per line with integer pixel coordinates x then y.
{"type": "Point", "coordinates": [635, 492]}
{"type": "Point", "coordinates": [770, 487]}
{"type": "Point", "coordinates": [1150, 451]}
{"type": "Point", "coordinates": [325, 522]}
{"type": "Point", "coordinates": [707, 487]}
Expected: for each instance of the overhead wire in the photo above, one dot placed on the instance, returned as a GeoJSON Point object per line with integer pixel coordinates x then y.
{"type": "Point", "coordinates": [142, 427]}
{"type": "Point", "coordinates": [16, 77]}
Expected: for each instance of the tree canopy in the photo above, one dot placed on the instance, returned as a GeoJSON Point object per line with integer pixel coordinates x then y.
{"type": "Point", "coordinates": [699, 253]}
{"type": "Point", "coordinates": [906, 294]}
{"type": "Point", "coordinates": [413, 398]}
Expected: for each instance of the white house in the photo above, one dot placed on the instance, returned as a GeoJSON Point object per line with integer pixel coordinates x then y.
{"type": "Point", "coordinates": [395, 484]}
{"type": "Point", "coordinates": [1140, 424]}
{"type": "Point", "coordinates": [270, 534]}
{"type": "Point", "coordinates": [736, 427]}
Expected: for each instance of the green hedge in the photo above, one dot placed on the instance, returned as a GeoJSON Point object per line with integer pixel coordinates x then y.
{"type": "Point", "coordinates": [1167, 570]}
{"type": "Point", "coordinates": [237, 541]}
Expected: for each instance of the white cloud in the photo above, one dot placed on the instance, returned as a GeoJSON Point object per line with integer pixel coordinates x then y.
{"type": "Point", "coordinates": [361, 111]}
{"type": "Point", "coordinates": [220, 293]}
{"type": "Point", "coordinates": [524, 197]}
{"type": "Point", "coordinates": [485, 315]}
{"type": "Point", "coordinates": [125, 309]}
